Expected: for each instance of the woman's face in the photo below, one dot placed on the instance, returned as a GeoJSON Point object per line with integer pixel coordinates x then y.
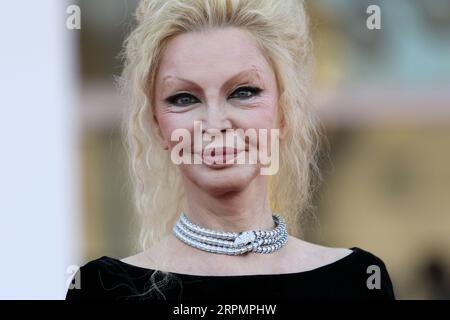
{"type": "Point", "coordinates": [221, 79]}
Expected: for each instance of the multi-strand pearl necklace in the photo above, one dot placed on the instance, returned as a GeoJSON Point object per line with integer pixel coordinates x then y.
{"type": "Point", "coordinates": [231, 243]}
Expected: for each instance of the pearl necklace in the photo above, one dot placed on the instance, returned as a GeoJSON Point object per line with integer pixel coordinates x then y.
{"type": "Point", "coordinates": [231, 243]}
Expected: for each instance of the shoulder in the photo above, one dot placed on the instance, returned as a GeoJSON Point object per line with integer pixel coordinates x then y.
{"type": "Point", "coordinates": [152, 258]}
{"type": "Point", "coordinates": [321, 256]}
{"type": "Point", "coordinates": [88, 280]}
{"type": "Point", "coordinates": [309, 256]}
{"type": "Point", "coordinates": [104, 278]}
{"type": "Point", "coordinates": [366, 275]}
{"type": "Point", "coordinates": [353, 272]}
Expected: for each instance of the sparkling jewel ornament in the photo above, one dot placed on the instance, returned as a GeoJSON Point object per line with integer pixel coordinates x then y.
{"type": "Point", "coordinates": [231, 243]}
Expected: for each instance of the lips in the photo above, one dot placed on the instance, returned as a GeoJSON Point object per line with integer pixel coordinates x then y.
{"type": "Point", "coordinates": [219, 155]}
{"type": "Point", "coordinates": [220, 151]}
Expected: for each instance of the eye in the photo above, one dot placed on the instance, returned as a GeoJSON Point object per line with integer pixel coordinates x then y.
{"type": "Point", "coordinates": [245, 92]}
{"type": "Point", "coordinates": [182, 99]}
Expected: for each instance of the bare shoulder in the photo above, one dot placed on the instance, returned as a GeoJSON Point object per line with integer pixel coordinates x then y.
{"type": "Point", "coordinates": [136, 260]}
{"type": "Point", "coordinates": [140, 260]}
{"type": "Point", "coordinates": [312, 255]}
{"type": "Point", "coordinates": [149, 257]}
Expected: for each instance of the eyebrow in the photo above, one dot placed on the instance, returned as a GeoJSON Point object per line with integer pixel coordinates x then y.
{"type": "Point", "coordinates": [248, 72]}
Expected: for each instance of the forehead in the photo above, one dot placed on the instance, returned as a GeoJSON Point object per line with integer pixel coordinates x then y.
{"type": "Point", "coordinates": [217, 52]}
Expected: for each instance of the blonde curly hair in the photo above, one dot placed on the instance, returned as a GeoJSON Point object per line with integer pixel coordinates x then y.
{"type": "Point", "coordinates": [281, 29]}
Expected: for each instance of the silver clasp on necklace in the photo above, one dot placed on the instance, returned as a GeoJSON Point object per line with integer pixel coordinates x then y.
{"type": "Point", "coordinates": [245, 238]}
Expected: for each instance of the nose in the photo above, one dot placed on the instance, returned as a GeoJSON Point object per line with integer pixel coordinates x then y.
{"type": "Point", "coordinates": [216, 120]}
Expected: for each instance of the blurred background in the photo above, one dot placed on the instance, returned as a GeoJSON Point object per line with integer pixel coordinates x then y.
{"type": "Point", "coordinates": [383, 97]}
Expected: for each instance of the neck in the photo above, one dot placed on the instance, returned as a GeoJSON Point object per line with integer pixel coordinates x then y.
{"type": "Point", "coordinates": [235, 211]}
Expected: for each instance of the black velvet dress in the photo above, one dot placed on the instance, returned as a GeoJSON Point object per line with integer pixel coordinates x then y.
{"type": "Point", "coordinates": [359, 275]}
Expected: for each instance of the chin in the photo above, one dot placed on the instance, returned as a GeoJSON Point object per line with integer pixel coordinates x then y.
{"type": "Point", "coordinates": [221, 180]}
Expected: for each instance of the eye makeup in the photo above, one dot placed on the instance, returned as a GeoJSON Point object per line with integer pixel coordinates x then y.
{"type": "Point", "coordinates": [187, 99]}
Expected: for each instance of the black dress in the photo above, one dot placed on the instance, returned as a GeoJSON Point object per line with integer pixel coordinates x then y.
{"type": "Point", "coordinates": [359, 275]}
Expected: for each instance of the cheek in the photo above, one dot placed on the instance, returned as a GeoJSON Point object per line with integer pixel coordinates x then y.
{"type": "Point", "coordinates": [261, 114]}
{"type": "Point", "coordinates": [169, 122]}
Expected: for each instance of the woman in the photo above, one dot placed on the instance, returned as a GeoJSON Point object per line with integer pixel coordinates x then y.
{"type": "Point", "coordinates": [216, 228]}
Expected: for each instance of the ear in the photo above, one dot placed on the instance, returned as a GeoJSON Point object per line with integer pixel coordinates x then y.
{"type": "Point", "coordinates": [163, 143]}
